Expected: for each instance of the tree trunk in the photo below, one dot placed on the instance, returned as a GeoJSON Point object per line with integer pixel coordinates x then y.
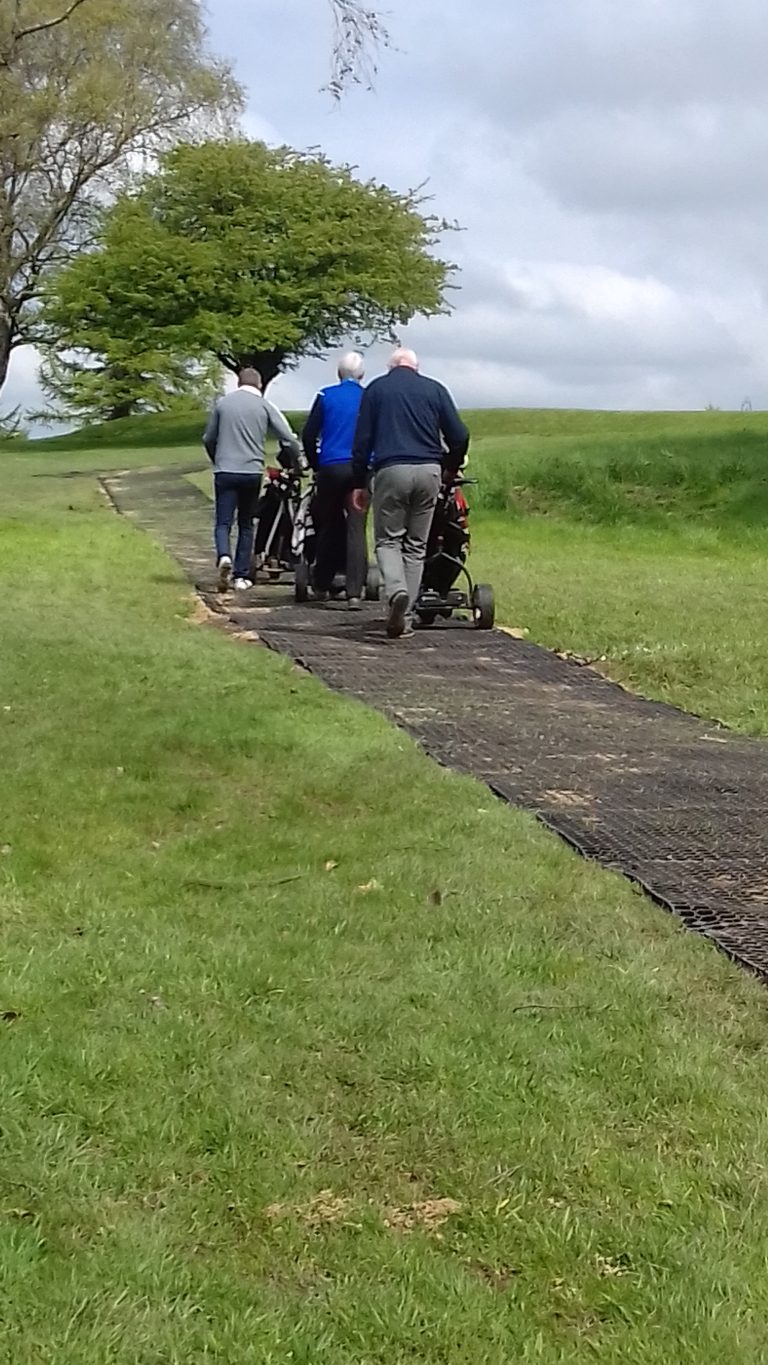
{"type": "Point", "coordinates": [124, 409]}
{"type": "Point", "coordinates": [5, 349]}
{"type": "Point", "coordinates": [268, 363]}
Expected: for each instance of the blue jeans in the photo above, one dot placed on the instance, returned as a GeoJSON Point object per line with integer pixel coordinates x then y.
{"type": "Point", "coordinates": [236, 493]}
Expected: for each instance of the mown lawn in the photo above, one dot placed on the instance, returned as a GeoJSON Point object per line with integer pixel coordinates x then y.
{"type": "Point", "coordinates": [676, 613]}
{"type": "Point", "coordinates": [312, 1051]}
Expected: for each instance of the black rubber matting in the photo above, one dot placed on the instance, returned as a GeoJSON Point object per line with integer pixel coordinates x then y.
{"type": "Point", "coordinates": [674, 803]}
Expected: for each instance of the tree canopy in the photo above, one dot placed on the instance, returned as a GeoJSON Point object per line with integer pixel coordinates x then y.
{"type": "Point", "coordinates": [87, 89]}
{"type": "Point", "coordinates": [255, 255]}
{"type": "Point", "coordinates": [100, 386]}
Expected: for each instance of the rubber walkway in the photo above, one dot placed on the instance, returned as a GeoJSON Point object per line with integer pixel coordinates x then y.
{"type": "Point", "coordinates": [677, 805]}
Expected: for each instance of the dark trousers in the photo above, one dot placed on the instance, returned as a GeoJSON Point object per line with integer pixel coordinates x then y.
{"type": "Point", "coordinates": [340, 530]}
{"type": "Point", "coordinates": [236, 494]}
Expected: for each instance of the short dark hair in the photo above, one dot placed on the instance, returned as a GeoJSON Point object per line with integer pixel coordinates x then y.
{"type": "Point", "coordinates": [250, 376]}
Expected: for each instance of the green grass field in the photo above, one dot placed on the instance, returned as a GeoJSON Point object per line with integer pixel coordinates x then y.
{"type": "Point", "coordinates": [639, 541]}
{"type": "Point", "coordinates": [314, 1052]}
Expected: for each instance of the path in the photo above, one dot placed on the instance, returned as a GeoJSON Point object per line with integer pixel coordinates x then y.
{"type": "Point", "coordinates": [675, 804]}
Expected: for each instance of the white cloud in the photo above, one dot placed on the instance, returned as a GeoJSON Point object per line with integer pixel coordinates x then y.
{"type": "Point", "coordinates": [22, 388]}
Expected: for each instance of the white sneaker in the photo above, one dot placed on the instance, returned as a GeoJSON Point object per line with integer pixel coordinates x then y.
{"type": "Point", "coordinates": [243, 584]}
{"type": "Point", "coordinates": [224, 567]}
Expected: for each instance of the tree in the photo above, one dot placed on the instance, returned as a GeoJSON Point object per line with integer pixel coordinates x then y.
{"type": "Point", "coordinates": [120, 382]}
{"type": "Point", "coordinates": [16, 26]}
{"type": "Point", "coordinates": [359, 32]}
{"type": "Point", "coordinates": [87, 89]}
{"type": "Point", "coordinates": [258, 256]}
{"type": "Point", "coordinates": [12, 426]}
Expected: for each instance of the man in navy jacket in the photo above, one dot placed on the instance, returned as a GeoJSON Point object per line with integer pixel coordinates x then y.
{"type": "Point", "coordinates": [409, 424]}
{"type": "Point", "coordinates": [327, 439]}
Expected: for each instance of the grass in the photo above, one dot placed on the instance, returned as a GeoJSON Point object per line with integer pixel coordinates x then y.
{"type": "Point", "coordinates": [161, 430]}
{"type": "Point", "coordinates": [183, 428]}
{"type": "Point", "coordinates": [275, 988]}
{"type": "Point", "coordinates": [677, 614]}
{"type": "Point", "coordinates": [638, 541]}
{"type": "Point", "coordinates": [274, 1086]}
{"type": "Point", "coordinates": [714, 473]}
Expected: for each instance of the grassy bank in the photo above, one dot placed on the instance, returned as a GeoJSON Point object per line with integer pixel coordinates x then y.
{"type": "Point", "coordinates": [710, 472]}
{"type": "Point", "coordinates": [313, 1052]}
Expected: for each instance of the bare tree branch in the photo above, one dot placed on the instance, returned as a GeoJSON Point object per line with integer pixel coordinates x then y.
{"type": "Point", "coordinates": [29, 32]}
{"type": "Point", "coordinates": [50, 23]}
{"type": "Point", "coordinates": [359, 33]}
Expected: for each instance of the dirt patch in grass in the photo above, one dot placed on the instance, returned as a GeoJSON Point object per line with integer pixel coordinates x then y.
{"type": "Point", "coordinates": [429, 1215]}
{"type": "Point", "coordinates": [325, 1207]}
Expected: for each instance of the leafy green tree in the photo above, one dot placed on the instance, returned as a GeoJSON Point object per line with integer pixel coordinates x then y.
{"type": "Point", "coordinates": [257, 256]}
{"type": "Point", "coordinates": [12, 425]}
{"type": "Point", "coordinates": [88, 89]}
{"type": "Point", "coordinates": [97, 387]}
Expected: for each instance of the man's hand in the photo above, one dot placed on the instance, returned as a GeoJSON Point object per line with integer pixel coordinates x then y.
{"type": "Point", "coordinates": [359, 499]}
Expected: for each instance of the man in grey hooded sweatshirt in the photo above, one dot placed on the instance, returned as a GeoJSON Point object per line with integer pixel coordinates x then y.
{"type": "Point", "coordinates": [234, 439]}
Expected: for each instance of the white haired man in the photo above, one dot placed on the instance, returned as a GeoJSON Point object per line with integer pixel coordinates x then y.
{"type": "Point", "coordinates": [327, 440]}
{"type": "Point", "coordinates": [409, 424]}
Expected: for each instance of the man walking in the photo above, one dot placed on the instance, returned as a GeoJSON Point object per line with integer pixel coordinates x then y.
{"type": "Point", "coordinates": [327, 439]}
{"type": "Point", "coordinates": [411, 427]}
{"type": "Point", "coordinates": [234, 439]}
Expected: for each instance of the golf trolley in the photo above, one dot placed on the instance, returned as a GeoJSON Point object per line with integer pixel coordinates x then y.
{"type": "Point", "coordinates": [276, 517]}
{"type": "Point", "coordinates": [304, 549]}
{"type": "Point", "coordinates": [445, 563]}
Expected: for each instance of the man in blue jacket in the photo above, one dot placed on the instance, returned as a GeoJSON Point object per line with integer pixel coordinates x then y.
{"type": "Point", "coordinates": [409, 424]}
{"type": "Point", "coordinates": [327, 439]}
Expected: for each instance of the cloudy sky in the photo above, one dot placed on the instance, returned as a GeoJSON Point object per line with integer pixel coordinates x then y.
{"type": "Point", "coordinates": [607, 160]}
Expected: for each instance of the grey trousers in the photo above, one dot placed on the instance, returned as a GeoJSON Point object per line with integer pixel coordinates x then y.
{"type": "Point", "coordinates": [404, 497]}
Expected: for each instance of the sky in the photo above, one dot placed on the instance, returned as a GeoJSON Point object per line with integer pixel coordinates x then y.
{"type": "Point", "coordinates": [607, 162]}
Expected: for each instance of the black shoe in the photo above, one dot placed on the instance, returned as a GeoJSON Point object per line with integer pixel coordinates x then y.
{"type": "Point", "coordinates": [398, 610]}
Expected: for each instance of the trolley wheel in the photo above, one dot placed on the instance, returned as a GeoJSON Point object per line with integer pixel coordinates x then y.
{"type": "Point", "coordinates": [483, 606]}
{"type": "Point", "coordinates": [427, 618]}
{"type": "Point", "coordinates": [373, 585]}
{"type": "Point", "coordinates": [301, 581]}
